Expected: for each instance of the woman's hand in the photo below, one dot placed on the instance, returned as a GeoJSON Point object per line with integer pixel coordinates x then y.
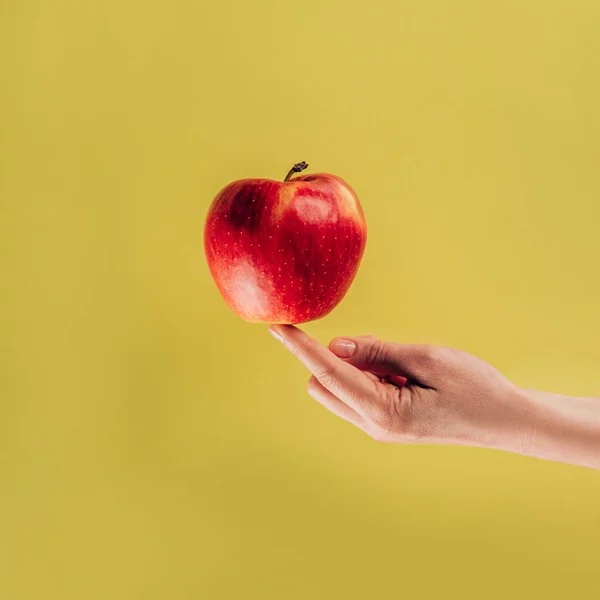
{"type": "Point", "coordinates": [410, 393]}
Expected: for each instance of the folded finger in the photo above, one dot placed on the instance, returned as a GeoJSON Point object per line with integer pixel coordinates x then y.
{"type": "Point", "coordinates": [333, 403]}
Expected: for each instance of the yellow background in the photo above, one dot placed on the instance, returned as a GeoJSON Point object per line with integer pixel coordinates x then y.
{"type": "Point", "coordinates": [153, 445]}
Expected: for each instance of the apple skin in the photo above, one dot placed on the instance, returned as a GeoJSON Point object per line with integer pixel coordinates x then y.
{"type": "Point", "coordinates": [285, 251]}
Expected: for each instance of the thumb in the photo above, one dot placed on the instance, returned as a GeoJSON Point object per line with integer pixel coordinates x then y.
{"type": "Point", "coordinates": [415, 362]}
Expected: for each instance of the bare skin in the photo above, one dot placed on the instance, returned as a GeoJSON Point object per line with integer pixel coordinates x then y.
{"type": "Point", "coordinates": [412, 393]}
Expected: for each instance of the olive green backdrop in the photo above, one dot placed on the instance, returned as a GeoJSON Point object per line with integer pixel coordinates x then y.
{"type": "Point", "coordinates": [152, 445]}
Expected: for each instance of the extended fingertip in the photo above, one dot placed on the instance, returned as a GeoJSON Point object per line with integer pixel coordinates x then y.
{"type": "Point", "coordinates": [342, 347]}
{"type": "Point", "coordinates": [275, 333]}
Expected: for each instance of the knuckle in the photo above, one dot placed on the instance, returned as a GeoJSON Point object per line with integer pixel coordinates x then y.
{"type": "Point", "coordinates": [431, 353]}
{"type": "Point", "coordinates": [326, 376]}
{"type": "Point", "coordinates": [375, 354]}
{"type": "Point", "coordinates": [430, 357]}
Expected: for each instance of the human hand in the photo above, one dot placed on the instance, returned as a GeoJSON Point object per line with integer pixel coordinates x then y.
{"type": "Point", "coordinates": [408, 393]}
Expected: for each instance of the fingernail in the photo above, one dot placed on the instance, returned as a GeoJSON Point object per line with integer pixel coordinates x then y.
{"type": "Point", "coordinates": [342, 348]}
{"type": "Point", "coordinates": [276, 334]}
{"type": "Point", "coordinates": [398, 380]}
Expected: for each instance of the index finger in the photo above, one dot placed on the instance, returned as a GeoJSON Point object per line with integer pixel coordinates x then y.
{"type": "Point", "coordinates": [344, 380]}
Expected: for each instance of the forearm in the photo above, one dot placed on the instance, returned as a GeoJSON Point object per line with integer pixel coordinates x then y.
{"type": "Point", "coordinates": [562, 428]}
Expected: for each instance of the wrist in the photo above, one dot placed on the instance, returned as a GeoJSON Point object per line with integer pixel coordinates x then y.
{"type": "Point", "coordinates": [559, 428]}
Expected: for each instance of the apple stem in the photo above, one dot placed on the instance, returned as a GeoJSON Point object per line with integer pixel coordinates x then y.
{"type": "Point", "coordinates": [297, 168]}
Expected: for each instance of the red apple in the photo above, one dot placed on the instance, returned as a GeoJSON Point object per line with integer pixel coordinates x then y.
{"type": "Point", "coordinates": [285, 251]}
